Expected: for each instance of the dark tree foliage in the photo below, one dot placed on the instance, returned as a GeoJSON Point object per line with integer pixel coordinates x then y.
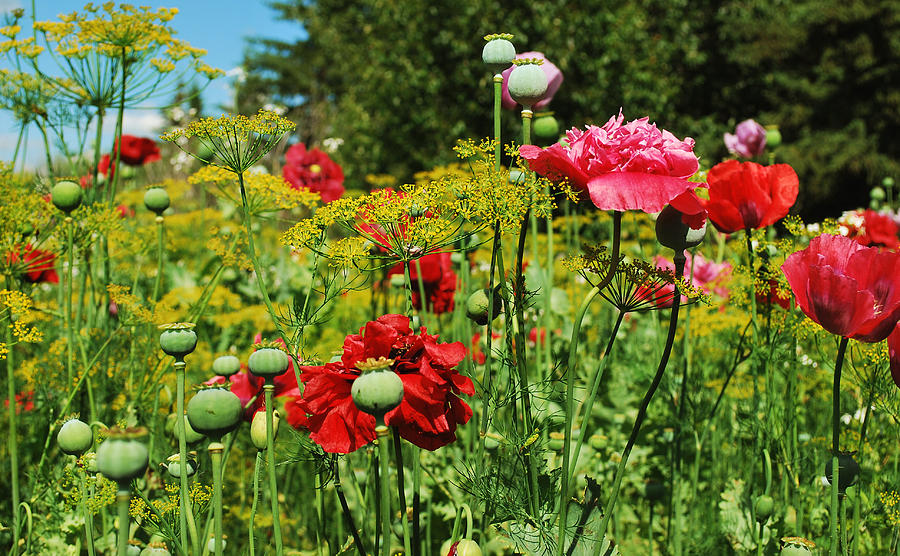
{"type": "Point", "coordinates": [401, 80]}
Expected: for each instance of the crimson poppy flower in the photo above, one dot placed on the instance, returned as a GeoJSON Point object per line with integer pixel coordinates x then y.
{"type": "Point", "coordinates": [746, 195]}
{"type": "Point", "coordinates": [37, 266]}
{"type": "Point", "coordinates": [554, 80]}
{"type": "Point", "coordinates": [137, 151]}
{"type": "Point", "coordinates": [748, 139]}
{"type": "Point", "coordinates": [850, 290]}
{"type": "Point", "coordinates": [872, 228]}
{"type": "Point", "coordinates": [622, 166]}
{"type": "Point", "coordinates": [438, 280]}
{"type": "Point", "coordinates": [431, 408]}
{"type": "Point", "coordinates": [315, 171]}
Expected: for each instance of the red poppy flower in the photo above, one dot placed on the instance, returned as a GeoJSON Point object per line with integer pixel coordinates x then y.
{"type": "Point", "coordinates": [37, 266]}
{"type": "Point", "coordinates": [771, 295]}
{"type": "Point", "coordinates": [876, 230]}
{"type": "Point", "coordinates": [24, 401]}
{"type": "Point", "coordinates": [315, 171]}
{"type": "Point", "coordinates": [746, 195]}
{"type": "Point", "coordinates": [622, 166]}
{"type": "Point", "coordinates": [438, 279]}
{"type": "Point", "coordinates": [137, 151]}
{"type": "Point", "coordinates": [478, 355]}
{"type": "Point", "coordinates": [430, 411]}
{"type": "Point", "coordinates": [850, 290]}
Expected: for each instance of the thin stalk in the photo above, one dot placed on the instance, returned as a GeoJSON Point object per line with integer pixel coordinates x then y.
{"type": "Point", "coordinates": [417, 541]}
{"type": "Point", "coordinates": [401, 490]}
{"type": "Point", "coordinates": [489, 352]}
{"type": "Point", "coordinates": [70, 333]}
{"type": "Point", "coordinates": [113, 172]}
{"type": "Point", "coordinates": [123, 496]}
{"type": "Point", "coordinates": [645, 404]}
{"type": "Point", "coordinates": [382, 432]}
{"type": "Point", "coordinates": [88, 518]}
{"type": "Point", "coordinates": [269, 388]}
{"type": "Point", "coordinates": [160, 256]}
{"type": "Point", "coordinates": [255, 502]}
{"type": "Point", "coordinates": [835, 444]}
{"type": "Point", "coordinates": [498, 96]}
{"type": "Point", "coordinates": [215, 456]}
{"type": "Point", "coordinates": [348, 515]}
{"type": "Point", "coordinates": [186, 522]}
{"type": "Point", "coordinates": [12, 437]}
{"type": "Point", "coordinates": [571, 375]}
{"type": "Point", "coordinates": [859, 448]}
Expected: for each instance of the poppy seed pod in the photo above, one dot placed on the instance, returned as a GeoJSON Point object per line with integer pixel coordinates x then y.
{"type": "Point", "coordinates": [155, 549]}
{"type": "Point", "coordinates": [763, 507]}
{"type": "Point", "coordinates": [75, 437]}
{"type": "Point", "coordinates": [498, 52]}
{"type": "Point", "coordinates": [123, 456]}
{"type": "Point", "coordinates": [226, 365]}
{"type": "Point", "coordinates": [796, 546]}
{"type": "Point", "coordinates": [379, 389]}
{"type": "Point", "coordinates": [66, 196]}
{"type": "Point", "coordinates": [268, 362]}
{"type": "Point", "coordinates": [848, 471]}
{"type": "Point", "coordinates": [178, 339]}
{"type": "Point", "coordinates": [156, 199]}
{"type": "Point", "coordinates": [214, 412]}
{"type": "Point", "coordinates": [672, 232]}
{"type": "Point", "coordinates": [527, 82]}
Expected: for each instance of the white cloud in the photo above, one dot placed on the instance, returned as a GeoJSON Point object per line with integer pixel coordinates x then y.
{"type": "Point", "coordinates": [9, 5]}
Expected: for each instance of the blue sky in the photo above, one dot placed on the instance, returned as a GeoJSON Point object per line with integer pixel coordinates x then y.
{"type": "Point", "coordinates": [221, 27]}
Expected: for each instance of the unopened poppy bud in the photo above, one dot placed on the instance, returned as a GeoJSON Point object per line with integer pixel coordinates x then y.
{"type": "Point", "coordinates": [773, 136]}
{"type": "Point", "coordinates": [478, 304]}
{"type": "Point", "coordinates": [763, 507]}
{"type": "Point", "coordinates": [498, 52]}
{"type": "Point", "coordinates": [848, 471]}
{"type": "Point", "coordinates": [527, 82]}
{"type": "Point", "coordinates": [888, 182]}
{"type": "Point", "coordinates": [672, 232]}
{"type": "Point", "coordinates": [156, 199]}
{"type": "Point", "coordinates": [464, 547]}
{"type": "Point", "coordinates": [258, 428]}
{"type": "Point", "coordinates": [545, 126]}
{"type": "Point", "coordinates": [66, 196]}
{"type": "Point", "coordinates": [877, 194]}
{"type": "Point", "coordinates": [75, 437]}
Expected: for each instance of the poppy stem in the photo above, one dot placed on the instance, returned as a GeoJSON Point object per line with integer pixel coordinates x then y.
{"type": "Point", "coordinates": [645, 404]}
{"type": "Point", "coordinates": [215, 455]}
{"type": "Point", "coordinates": [255, 503]}
{"type": "Point", "coordinates": [160, 256]}
{"type": "Point", "coordinates": [401, 491]}
{"type": "Point", "coordinates": [348, 515]}
{"type": "Point", "coordinates": [382, 432]}
{"type": "Point", "coordinates": [186, 521]}
{"type": "Point", "coordinates": [835, 445]}
{"type": "Point", "coordinates": [123, 496]}
{"type": "Point", "coordinates": [11, 439]}
{"type": "Point", "coordinates": [269, 387]}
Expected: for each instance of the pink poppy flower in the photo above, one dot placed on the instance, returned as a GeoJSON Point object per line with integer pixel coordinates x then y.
{"type": "Point", "coordinates": [748, 139]}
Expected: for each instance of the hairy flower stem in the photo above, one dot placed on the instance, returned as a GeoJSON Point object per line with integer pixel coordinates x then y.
{"type": "Point", "coordinates": [489, 352]}
{"type": "Point", "coordinates": [498, 96]}
{"type": "Point", "coordinates": [255, 502]}
{"type": "Point", "coordinates": [123, 496]}
{"type": "Point", "coordinates": [67, 316]}
{"type": "Point", "coordinates": [160, 257]}
{"type": "Point", "coordinates": [257, 267]}
{"type": "Point", "coordinates": [571, 376]}
{"type": "Point", "coordinates": [836, 444]}
{"type": "Point", "coordinates": [382, 432]}
{"type": "Point", "coordinates": [215, 456]}
{"type": "Point", "coordinates": [345, 508]}
{"type": "Point", "coordinates": [11, 438]}
{"type": "Point", "coordinates": [269, 388]}
{"type": "Point", "coordinates": [645, 404]}
{"type": "Point", "coordinates": [401, 491]}
{"type": "Point", "coordinates": [113, 171]}
{"type": "Point", "coordinates": [186, 522]}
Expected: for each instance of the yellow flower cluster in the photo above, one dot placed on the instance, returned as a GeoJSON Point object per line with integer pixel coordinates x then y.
{"type": "Point", "coordinates": [239, 141]}
{"type": "Point", "coordinates": [131, 309]}
{"type": "Point", "coordinates": [265, 192]}
{"type": "Point", "coordinates": [891, 502]}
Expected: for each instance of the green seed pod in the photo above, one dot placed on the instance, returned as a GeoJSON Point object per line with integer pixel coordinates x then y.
{"type": "Point", "coordinates": [226, 365]}
{"type": "Point", "coordinates": [156, 199]}
{"type": "Point", "coordinates": [214, 411]}
{"type": "Point", "coordinates": [545, 126]}
{"type": "Point", "coordinates": [123, 456]}
{"type": "Point", "coordinates": [178, 339]}
{"type": "Point", "coordinates": [477, 305]}
{"type": "Point", "coordinates": [498, 53]}
{"type": "Point", "coordinates": [205, 152]}
{"type": "Point", "coordinates": [673, 233]}
{"type": "Point", "coordinates": [258, 428]}
{"type": "Point", "coordinates": [190, 435]}
{"type": "Point", "coordinates": [848, 471]}
{"type": "Point", "coordinates": [89, 460]}
{"type": "Point", "coordinates": [877, 194]}
{"type": "Point", "coordinates": [133, 548]}
{"type": "Point", "coordinates": [773, 136]}
{"type": "Point", "coordinates": [66, 196]}
{"type": "Point", "coordinates": [527, 83]}
{"type": "Point", "coordinates": [888, 182]}
{"type": "Point", "coordinates": [379, 389]}
{"type": "Point", "coordinates": [796, 546]}
{"type": "Point", "coordinates": [75, 437]}
{"type": "Point", "coordinates": [516, 176]}
{"type": "Point", "coordinates": [174, 467]}
{"type": "Point", "coordinates": [156, 549]}
{"type": "Point", "coordinates": [211, 544]}
{"type": "Point", "coordinates": [763, 508]}
{"type": "Point", "coordinates": [268, 362]}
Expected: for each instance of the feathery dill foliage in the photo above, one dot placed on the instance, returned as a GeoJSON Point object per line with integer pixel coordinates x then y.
{"type": "Point", "coordinates": [636, 285]}
{"type": "Point", "coordinates": [265, 192]}
{"type": "Point", "coordinates": [22, 211]}
{"type": "Point", "coordinates": [239, 141]}
{"type": "Point", "coordinates": [112, 53]}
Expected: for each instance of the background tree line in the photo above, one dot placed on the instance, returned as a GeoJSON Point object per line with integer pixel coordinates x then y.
{"type": "Point", "coordinates": [400, 80]}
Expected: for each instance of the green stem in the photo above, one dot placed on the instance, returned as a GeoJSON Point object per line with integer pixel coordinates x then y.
{"type": "Point", "coordinates": [160, 256]}
{"type": "Point", "coordinates": [345, 508]}
{"type": "Point", "coordinates": [257, 267]}
{"type": "Point", "coordinates": [114, 172]}
{"type": "Point", "coordinates": [215, 456]}
{"type": "Point", "coordinates": [12, 436]}
{"type": "Point", "coordinates": [498, 95]}
{"type": "Point", "coordinates": [255, 502]}
{"type": "Point", "coordinates": [527, 115]}
{"type": "Point", "coordinates": [835, 444]}
{"type": "Point", "coordinates": [88, 518]}
{"type": "Point", "coordinates": [186, 522]}
{"type": "Point", "coordinates": [382, 432]}
{"type": "Point", "coordinates": [269, 388]}
{"type": "Point", "coordinates": [645, 404]}
{"type": "Point", "coordinates": [401, 490]}
{"type": "Point", "coordinates": [571, 375]}
{"type": "Point", "coordinates": [123, 496]}
{"type": "Point", "coordinates": [70, 333]}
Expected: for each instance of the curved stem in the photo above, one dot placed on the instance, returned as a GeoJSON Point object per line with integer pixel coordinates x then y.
{"type": "Point", "coordinates": [835, 444]}
{"type": "Point", "coordinates": [571, 375]}
{"type": "Point", "coordinates": [269, 387]}
{"type": "Point", "coordinates": [215, 457]}
{"type": "Point", "coordinates": [645, 404]}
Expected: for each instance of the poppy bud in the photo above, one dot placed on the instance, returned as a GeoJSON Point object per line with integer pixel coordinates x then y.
{"type": "Point", "coordinates": [763, 508]}
{"type": "Point", "coordinates": [848, 471]}
{"type": "Point", "coordinates": [75, 437]}
{"type": "Point", "coordinates": [66, 196]}
{"type": "Point", "coordinates": [877, 194]}
{"type": "Point", "coordinates": [527, 82]}
{"type": "Point", "coordinates": [477, 305]}
{"type": "Point", "coordinates": [672, 232]}
{"type": "Point", "coordinates": [258, 428]}
{"type": "Point", "coordinates": [773, 136]}
{"type": "Point", "coordinates": [545, 126]}
{"type": "Point", "coordinates": [156, 199]}
{"type": "Point", "coordinates": [499, 52]}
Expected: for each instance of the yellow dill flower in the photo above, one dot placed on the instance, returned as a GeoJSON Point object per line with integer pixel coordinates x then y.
{"type": "Point", "coordinates": [239, 141]}
{"type": "Point", "coordinates": [10, 30]}
{"type": "Point", "coordinates": [265, 192]}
